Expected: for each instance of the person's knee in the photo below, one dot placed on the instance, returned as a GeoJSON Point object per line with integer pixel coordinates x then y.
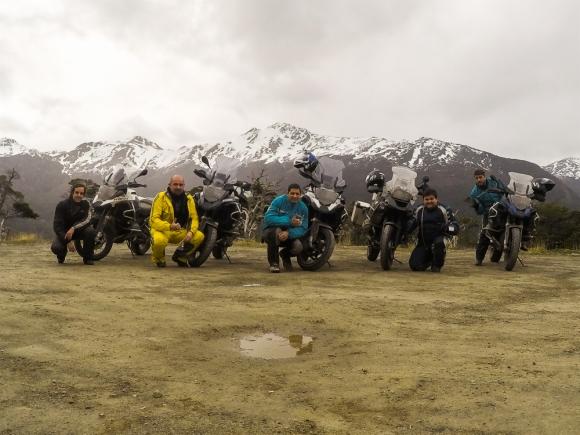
{"type": "Point", "coordinates": [57, 247]}
{"type": "Point", "coordinates": [198, 238]}
{"type": "Point", "coordinates": [159, 239]}
{"type": "Point", "coordinates": [89, 233]}
{"type": "Point", "coordinates": [296, 247]}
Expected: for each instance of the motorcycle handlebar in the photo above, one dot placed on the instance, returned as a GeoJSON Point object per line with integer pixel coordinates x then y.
{"type": "Point", "coordinates": [133, 185]}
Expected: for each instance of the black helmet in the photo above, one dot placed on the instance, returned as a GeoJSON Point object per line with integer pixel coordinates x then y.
{"type": "Point", "coordinates": [375, 181]}
{"type": "Point", "coordinates": [307, 162]}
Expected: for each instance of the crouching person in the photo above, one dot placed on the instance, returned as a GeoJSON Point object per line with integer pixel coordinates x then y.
{"type": "Point", "coordinates": [173, 219]}
{"type": "Point", "coordinates": [434, 222]}
{"type": "Point", "coordinates": [285, 222]}
{"type": "Point", "coordinates": [72, 219]}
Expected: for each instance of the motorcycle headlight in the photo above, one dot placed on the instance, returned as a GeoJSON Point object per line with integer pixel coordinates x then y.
{"type": "Point", "coordinates": [213, 193]}
{"type": "Point", "coordinates": [521, 202]}
{"type": "Point", "coordinates": [326, 196]}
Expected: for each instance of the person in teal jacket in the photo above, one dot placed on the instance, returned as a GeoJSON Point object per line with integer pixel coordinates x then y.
{"type": "Point", "coordinates": [483, 199]}
{"type": "Point", "coordinates": [285, 222]}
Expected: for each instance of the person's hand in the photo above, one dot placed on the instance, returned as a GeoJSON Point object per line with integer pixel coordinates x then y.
{"type": "Point", "coordinates": [68, 235]}
{"type": "Point", "coordinates": [283, 236]}
{"type": "Point", "coordinates": [296, 221]}
{"type": "Point", "coordinates": [188, 237]}
{"type": "Point", "coordinates": [71, 247]}
{"type": "Point", "coordinates": [175, 226]}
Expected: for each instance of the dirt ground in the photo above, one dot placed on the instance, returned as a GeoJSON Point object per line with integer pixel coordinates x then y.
{"type": "Point", "coordinates": [123, 347]}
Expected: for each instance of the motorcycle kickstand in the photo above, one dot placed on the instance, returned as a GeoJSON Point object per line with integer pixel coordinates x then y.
{"type": "Point", "coordinates": [521, 261]}
{"type": "Point", "coordinates": [400, 262]}
{"type": "Point", "coordinates": [329, 265]}
{"type": "Point", "coordinates": [130, 250]}
{"type": "Point", "coordinates": [228, 257]}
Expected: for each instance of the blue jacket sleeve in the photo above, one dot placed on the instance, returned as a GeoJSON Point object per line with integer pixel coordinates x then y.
{"type": "Point", "coordinates": [297, 232]}
{"type": "Point", "coordinates": [276, 216]}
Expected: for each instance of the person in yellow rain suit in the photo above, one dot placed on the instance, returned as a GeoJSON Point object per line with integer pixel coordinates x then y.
{"type": "Point", "coordinates": [173, 219]}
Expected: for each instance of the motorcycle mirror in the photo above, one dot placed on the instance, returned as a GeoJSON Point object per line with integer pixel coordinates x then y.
{"type": "Point", "coordinates": [205, 161]}
{"type": "Point", "coordinates": [425, 178]}
{"type": "Point", "coordinates": [200, 173]}
{"type": "Point", "coordinates": [143, 172]}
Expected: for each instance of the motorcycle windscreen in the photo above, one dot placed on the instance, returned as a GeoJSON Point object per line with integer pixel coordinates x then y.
{"type": "Point", "coordinates": [105, 193]}
{"type": "Point", "coordinates": [213, 193]}
{"type": "Point", "coordinates": [116, 177]}
{"type": "Point", "coordinates": [329, 172]}
{"type": "Point", "coordinates": [521, 184]}
{"type": "Point", "coordinates": [225, 170]}
{"type": "Point", "coordinates": [326, 196]}
{"type": "Point", "coordinates": [402, 185]}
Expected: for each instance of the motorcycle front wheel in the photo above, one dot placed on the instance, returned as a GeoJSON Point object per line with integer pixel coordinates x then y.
{"type": "Point", "coordinates": [318, 256]}
{"type": "Point", "coordinates": [102, 248]}
{"type": "Point", "coordinates": [513, 248]}
{"type": "Point", "coordinates": [388, 247]}
{"type": "Point", "coordinates": [202, 253]}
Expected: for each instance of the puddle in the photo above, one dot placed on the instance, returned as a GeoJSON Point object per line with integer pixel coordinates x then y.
{"type": "Point", "coordinates": [272, 346]}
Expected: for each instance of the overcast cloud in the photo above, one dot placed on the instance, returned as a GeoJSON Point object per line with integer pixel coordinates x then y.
{"type": "Point", "coordinates": [500, 75]}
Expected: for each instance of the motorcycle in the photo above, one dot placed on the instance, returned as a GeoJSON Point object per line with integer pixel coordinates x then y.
{"type": "Point", "coordinates": [386, 217]}
{"type": "Point", "coordinates": [218, 205]}
{"type": "Point", "coordinates": [120, 215]}
{"type": "Point", "coordinates": [511, 220]}
{"type": "Point", "coordinates": [326, 211]}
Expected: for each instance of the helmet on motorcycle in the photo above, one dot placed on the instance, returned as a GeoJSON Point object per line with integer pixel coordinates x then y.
{"type": "Point", "coordinates": [375, 181]}
{"type": "Point", "coordinates": [307, 162]}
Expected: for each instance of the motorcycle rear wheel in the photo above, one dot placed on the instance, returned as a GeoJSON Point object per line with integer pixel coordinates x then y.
{"type": "Point", "coordinates": [317, 257]}
{"type": "Point", "coordinates": [514, 243]}
{"type": "Point", "coordinates": [203, 252]}
{"type": "Point", "coordinates": [387, 247]}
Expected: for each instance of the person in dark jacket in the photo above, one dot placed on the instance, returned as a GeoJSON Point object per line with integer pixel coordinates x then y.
{"type": "Point", "coordinates": [72, 219]}
{"type": "Point", "coordinates": [484, 195]}
{"type": "Point", "coordinates": [285, 222]}
{"type": "Point", "coordinates": [435, 222]}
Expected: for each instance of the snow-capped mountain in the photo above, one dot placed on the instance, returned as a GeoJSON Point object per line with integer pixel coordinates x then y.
{"type": "Point", "coordinates": [280, 142]}
{"type": "Point", "coordinates": [98, 156]}
{"type": "Point", "coordinates": [569, 167]}
{"type": "Point", "coordinates": [9, 147]}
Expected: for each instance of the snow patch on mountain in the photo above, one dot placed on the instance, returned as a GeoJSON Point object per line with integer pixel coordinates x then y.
{"type": "Point", "coordinates": [568, 167]}
{"type": "Point", "coordinates": [9, 147]}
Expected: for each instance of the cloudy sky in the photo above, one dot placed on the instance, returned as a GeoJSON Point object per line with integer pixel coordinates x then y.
{"type": "Point", "coordinates": [500, 75]}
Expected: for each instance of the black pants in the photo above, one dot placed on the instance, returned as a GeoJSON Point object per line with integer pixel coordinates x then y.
{"type": "Point", "coordinates": [483, 242]}
{"type": "Point", "coordinates": [86, 234]}
{"type": "Point", "coordinates": [290, 247]}
{"type": "Point", "coordinates": [426, 255]}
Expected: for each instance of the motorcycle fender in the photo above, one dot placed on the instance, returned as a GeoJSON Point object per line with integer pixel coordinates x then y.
{"type": "Point", "coordinates": [506, 238]}
{"type": "Point", "coordinates": [207, 222]}
{"type": "Point", "coordinates": [314, 230]}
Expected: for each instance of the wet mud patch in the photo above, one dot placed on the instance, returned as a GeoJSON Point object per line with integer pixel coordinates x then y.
{"type": "Point", "coordinates": [273, 346]}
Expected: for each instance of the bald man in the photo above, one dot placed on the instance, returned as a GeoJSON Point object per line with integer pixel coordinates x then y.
{"type": "Point", "coordinates": [174, 220]}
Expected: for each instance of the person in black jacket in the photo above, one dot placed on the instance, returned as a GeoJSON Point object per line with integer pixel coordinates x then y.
{"type": "Point", "coordinates": [435, 222]}
{"type": "Point", "coordinates": [72, 219]}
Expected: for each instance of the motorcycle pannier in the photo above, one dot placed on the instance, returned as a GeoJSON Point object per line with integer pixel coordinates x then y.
{"type": "Point", "coordinates": [359, 212]}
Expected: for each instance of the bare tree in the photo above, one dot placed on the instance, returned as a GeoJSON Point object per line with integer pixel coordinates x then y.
{"type": "Point", "coordinates": [12, 204]}
{"type": "Point", "coordinates": [263, 192]}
